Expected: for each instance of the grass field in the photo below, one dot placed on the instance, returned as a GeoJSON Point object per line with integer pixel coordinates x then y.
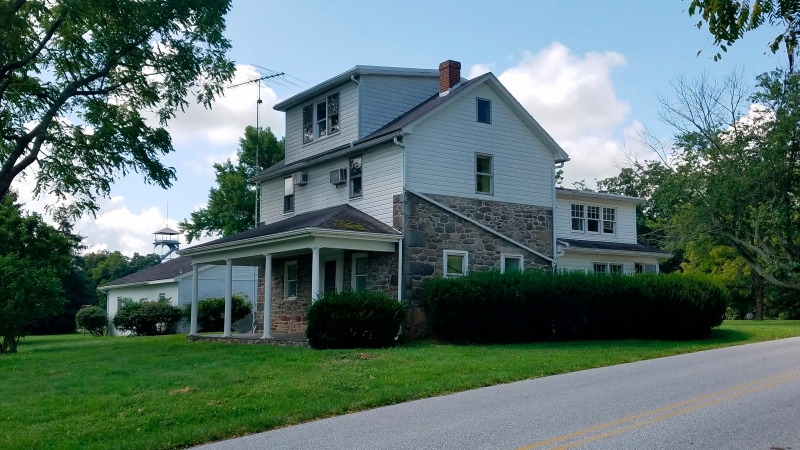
{"type": "Point", "coordinates": [164, 392]}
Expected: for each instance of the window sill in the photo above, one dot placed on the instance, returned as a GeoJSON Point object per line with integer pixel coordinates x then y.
{"type": "Point", "coordinates": [357, 198]}
{"type": "Point", "coordinates": [289, 299]}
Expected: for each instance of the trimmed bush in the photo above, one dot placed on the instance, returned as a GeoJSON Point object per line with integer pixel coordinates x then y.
{"type": "Point", "coordinates": [147, 318]}
{"type": "Point", "coordinates": [490, 307]}
{"type": "Point", "coordinates": [211, 311]}
{"type": "Point", "coordinates": [353, 319]}
{"type": "Point", "coordinates": [92, 319]}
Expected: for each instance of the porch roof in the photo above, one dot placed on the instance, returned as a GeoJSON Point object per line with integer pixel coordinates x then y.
{"type": "Point", "coordinates": [341, 221]}
{"type": "Point", "coordinates": [612, 247]}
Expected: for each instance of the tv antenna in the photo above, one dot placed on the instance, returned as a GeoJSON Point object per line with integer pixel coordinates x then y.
{"type": "Point", "coordinates": [265, 76]}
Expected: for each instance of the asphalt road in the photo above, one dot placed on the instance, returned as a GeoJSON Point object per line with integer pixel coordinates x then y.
{"type": "Point", "coordinates": [745, 397]}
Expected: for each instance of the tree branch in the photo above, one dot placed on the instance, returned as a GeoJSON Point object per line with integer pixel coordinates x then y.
{"type": "Point", "coordinates": [4, 70]}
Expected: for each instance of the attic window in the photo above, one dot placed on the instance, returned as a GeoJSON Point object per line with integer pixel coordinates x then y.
{"type": "Point", "coordinates": [484, 110]}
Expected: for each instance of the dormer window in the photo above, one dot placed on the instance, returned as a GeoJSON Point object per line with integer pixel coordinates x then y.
{"type": "Point", "coordinates": [484, 110]}
{"type": "Point", "coordinates": [321, 119]}
{"type": "Point", "coordinates": [308, 124]}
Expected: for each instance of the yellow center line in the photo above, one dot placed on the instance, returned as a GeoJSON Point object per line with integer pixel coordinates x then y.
{"type": "Point", "coordinates": [778, 379]}
{"type": "Point", "coordinates": [670, 415]}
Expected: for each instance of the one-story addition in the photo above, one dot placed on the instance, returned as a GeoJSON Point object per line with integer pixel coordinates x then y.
{"type": "Point", "coordinates": [394, 175]}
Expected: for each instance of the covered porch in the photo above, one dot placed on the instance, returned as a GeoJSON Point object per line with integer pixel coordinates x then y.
{"type": "Point", "coordinates": [299, 258]}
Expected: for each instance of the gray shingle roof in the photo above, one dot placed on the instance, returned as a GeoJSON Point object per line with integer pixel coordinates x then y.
{"type": "Point", "coordinates": [166, 270]}
{"type": "Point", "coordinates": [339, 217]}
{"type": "Point", "coordinates": [594, 245]}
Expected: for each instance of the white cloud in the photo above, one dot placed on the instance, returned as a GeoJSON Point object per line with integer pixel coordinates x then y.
{"type": "Point", "coordinates": [573, 98]}
{"type": "Point", "coordinates": [118, 228]}
{"type": "Point", "coordinates": [478, 70]}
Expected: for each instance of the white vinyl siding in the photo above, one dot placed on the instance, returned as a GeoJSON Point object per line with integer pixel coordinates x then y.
{"type": "Point", "coordinates": [382, 178]}
{"type": "Point", "coordinates": [441, 153]}
{"type": "Point", "coordinates": [384, 98]}
{"type": "Point", "coordinates": [348, 123]}
{"type": "Point", "coordinates": [625, 219]}
{"type": "Point", "coordinates": [585, 262]}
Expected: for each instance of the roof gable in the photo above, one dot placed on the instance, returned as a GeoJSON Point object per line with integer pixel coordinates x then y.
{"type": "Point", "coordinates": [407, 121]}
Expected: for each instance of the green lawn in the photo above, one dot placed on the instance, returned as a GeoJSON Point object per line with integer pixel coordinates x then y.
{"type": "Point", "coordinates": [164, 392]}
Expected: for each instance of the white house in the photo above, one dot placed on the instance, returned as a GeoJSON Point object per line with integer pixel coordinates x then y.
{"type": "Point", "coordinates": [172, 280]}
{"type": "Point", "coordinates": [395, 175]}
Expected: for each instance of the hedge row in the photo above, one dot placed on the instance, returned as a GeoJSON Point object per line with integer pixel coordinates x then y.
{"type": "Point", "coordinates": [532, 306]}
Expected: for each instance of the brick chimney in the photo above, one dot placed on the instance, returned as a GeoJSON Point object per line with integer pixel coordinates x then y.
{"type": "Point", "coordinates": [449, 75]}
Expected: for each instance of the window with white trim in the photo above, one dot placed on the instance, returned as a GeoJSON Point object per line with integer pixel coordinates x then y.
{"type": "Point", "coordinates": [483, 174]}
{"type": "Point", "coordinates": [608, 268]}
{"type": "Point", "coordinates": [360, 272]}
{"type": "Point", "coordinates": [321, 119]}
{"type": "Point", "coordinates": [290, 280]}
{"type": "Point", "coordinates": [484, 110]}
{"type": "Point", "coordinates": [308, 124]}
{"type": "Point", "coordinates": [511, 263]}
{"type": "Point", "coordinates": [162, 296]}
{"type": "Point", "coordinates": [577, 217]}
{"type": "Point", "coordinates": [593, 219]}
{"type": "Point", "coordinates": [645, 268]}
{"type": "Point", "coordinates": [609, 220]}
{"type": "Point", "coordinates": [355, 177]}
{"type": "Point", "coordinates": [288, 195]}
{"type": "Point", "coordinates": [455, 263]}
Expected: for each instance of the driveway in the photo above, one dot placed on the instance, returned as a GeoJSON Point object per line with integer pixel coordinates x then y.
{"type": "Point", "coordinates": [745, 397]}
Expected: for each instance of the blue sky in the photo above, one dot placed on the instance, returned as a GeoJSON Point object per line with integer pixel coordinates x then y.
{"type": "Point", "coordinates": [590, 72]}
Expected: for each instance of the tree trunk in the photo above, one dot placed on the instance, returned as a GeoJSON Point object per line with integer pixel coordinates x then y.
{"type": "Point", "coordinates": [758, 292]}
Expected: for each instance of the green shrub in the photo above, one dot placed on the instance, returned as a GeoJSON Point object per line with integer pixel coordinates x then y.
{"type": "Point", "coordinates": [490, 307]}
{"type": "Point", "coordinates": [211, 311]}
{"type": "Point", "coordinates": [353, 319]}
{"type": "Point", "coordinates": [92, 319]}
{"type": "Point", "coordinates": [147, 318]}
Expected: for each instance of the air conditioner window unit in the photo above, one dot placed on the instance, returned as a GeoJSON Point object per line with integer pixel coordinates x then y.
{"type": "Point", "coordinates": [300, 178]}
{"type": "Point", "coordinates": [338, 176]}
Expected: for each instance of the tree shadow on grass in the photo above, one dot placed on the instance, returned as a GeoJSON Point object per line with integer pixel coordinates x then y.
{"type": "Point", "coordinates": [721, 336]}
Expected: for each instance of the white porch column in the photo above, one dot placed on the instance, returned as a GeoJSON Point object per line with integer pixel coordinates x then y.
{"type": "Point", "coordinates": [228, 299]}
{"type": "Point", "coordinates": [193, 323]}
{"type": "Point", "coordinates": [314, 273]}
{"type": "Point", "coordinates": [267, 297]}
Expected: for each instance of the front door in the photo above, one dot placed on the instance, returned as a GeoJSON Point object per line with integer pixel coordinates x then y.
{"type": "Point", "coordinates": [329, 277]}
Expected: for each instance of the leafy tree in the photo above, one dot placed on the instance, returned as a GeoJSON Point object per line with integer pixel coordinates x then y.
{"type": "Point", "coordinates": [231, 204]}
{"type": "Point", "coordinates": [722, 263]}
{"type": "Point", "coordinates": [729, 20]}
{"type": "Point", "coordinates": [34, 259]}
{"type": "Point", "coordinates": [105, 266]}
{"type": "Point", "coordinates": [733, 177]}
{"type": "Point", "coordinates": [84, 72]}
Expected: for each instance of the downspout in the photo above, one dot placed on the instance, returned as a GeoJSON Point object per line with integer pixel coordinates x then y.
{"type": "Point", "coordinates": [358, 99]}
{"type": "Point", "coordinates": [400, 243]}
{"type": "Point", "coordinates": [555, 250]}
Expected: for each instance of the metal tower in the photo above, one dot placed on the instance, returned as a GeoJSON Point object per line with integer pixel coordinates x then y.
{"type": "Point", "coordinates": [169, 238]}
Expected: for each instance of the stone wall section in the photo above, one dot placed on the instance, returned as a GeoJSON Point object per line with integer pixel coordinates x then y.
{"type": "Point", "coordinates": [430, 229]}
